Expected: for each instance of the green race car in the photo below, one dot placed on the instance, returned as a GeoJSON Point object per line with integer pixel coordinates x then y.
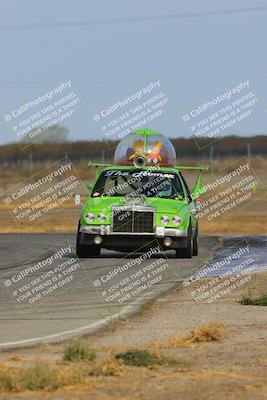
{"type": "Point", "coordinates": [140, 200]}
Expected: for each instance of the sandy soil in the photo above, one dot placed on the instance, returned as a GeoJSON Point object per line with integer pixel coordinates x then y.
{"type": "Point", "coordinates": [233, 368]}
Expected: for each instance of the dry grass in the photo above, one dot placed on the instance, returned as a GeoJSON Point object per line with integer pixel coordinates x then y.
{"type": "Point", "coordinates": [52, 375]}
{"type": "Point", "coordinates": [210, 332]}
{"type": "Point", "coordinates": [38, 376]}
{"type": "Point", "coordinates": [15, 358]}
{"type": "Point", "coordinates": [242, 223]}
{"type": "Point", "coordinates": [48, 376]}
{"type": "Point", "coordinates": [110, 367]}
{"type": "Point", "coordinates": [66, 221]}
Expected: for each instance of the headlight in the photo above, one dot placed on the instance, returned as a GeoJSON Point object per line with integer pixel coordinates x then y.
{"type": "Point", "coordinates": [102, 217]}
{"type": "Point", "coordinates": [165, 219]}
{"type": "Point", "coordinates": [177, 220]}
{"type": "Point", "coordinates": [90, 217]}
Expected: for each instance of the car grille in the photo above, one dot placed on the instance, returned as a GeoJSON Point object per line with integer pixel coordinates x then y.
{"type": "Point", "coordinates": [135, 220]}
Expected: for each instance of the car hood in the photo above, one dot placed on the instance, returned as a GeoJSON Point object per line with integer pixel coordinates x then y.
{"type": "Point", "coordinates": [161, 205]}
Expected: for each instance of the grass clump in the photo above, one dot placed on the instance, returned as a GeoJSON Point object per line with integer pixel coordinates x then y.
{"type": "Point", "coordinates": [211, 332]}
{"type": "Point", "coordinates": [36, 377]}
{"type": "Point", "coordinates": [257, 301]}
{"type": "Point", "coordinates": [79, 351]}
{"type": "Point", "coordinates": [6, 381]}
{"type": "Point", "coordinates": [109, 367]}
{"type": "Point", "coordinates": [40, 376]}
{"type": "Point", "coordinates": [144, 358]}
{"type": "Point", "coordinates": [139, 358]}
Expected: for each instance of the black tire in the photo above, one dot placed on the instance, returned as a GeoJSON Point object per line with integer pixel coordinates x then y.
{"type": "Point", "coordinates": [195, 242]}
{"type": "Point", "coordinates": [186, 252]}
{"type": "Point", "coordinates": [83, 251]}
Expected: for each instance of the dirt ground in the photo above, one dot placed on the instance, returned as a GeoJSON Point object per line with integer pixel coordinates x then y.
{"type": "Point", "coordinates": [250, 220]}
{"type": "Point", "coordinates": [234, 367]}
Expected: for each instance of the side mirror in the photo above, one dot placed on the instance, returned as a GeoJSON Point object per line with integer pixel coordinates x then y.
{"type": "Point", "coordinates": [197, 201]}
{"type": "Point", "coordinates": [198, 188]}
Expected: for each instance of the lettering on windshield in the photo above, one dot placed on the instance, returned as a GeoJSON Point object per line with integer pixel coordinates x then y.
{"type": "Point", "coordinates": [138, 174]}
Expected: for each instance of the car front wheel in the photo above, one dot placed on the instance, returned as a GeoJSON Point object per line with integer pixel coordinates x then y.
{"type": "Point", "coordinates": [195, 242]}
{"type": "Point", "coordinates": [186, 252]}
{"type": "Point", "coordinates": [85, 251]}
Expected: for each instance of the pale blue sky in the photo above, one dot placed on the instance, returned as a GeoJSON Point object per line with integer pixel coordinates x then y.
{"type": "Point", "coordinates": [109, 49]}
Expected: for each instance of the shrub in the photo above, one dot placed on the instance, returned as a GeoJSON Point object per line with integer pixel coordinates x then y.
{"type": "Point", "coordinates": [258, 301]}
{"type": "Point", "coordinates": [144, 358]}
{"type": "Point", "coordinates": [40, 376]}
{"type": "Point", "coordinates": [79, 351]}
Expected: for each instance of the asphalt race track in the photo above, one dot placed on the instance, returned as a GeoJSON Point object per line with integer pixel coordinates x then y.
{"type": "Point", "coordinates": [91, 291]}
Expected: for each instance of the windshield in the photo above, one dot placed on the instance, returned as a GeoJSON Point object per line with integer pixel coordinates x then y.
{"type": "Point", "coordinates": [138, 183]}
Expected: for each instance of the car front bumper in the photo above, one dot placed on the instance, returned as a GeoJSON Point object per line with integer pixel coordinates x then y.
{"type": "Point", "coordinates": [177, 238]}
